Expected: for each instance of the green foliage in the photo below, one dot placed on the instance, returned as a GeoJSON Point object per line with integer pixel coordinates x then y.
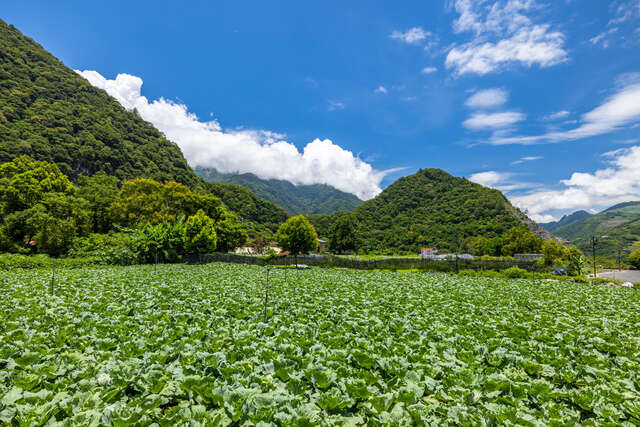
{"type": "Point", "coordinates": [144, 200]}
{"type": "Point", "coordinates": [163, 242]}
{"type": "Point", "coordinates": [187, 346]}
{"type": "Point", "coordinates": [566, 220]}
{"type": "Point", "coordinates": [620, 224]}
{"type": "Point", "coordinates": [344, 234]}
{"type": "Point", "coordinates": [297, 235]}
{"type": "Point", "coordinates": [51, 113]}
{"type": "Point", "coordinates": [100, 190]}
{"type": "Point", "coordinates": [432, 208]}
{"type": "Point", "coordinates": [515, 273]}
{"type": "Point", "coordinates": [229, 230]}
{"type": "Point", "coordinates": [575, 260]}
{"type": "Point", "coordinates": [519, 240]}
{"type": "Point", "coordinates": [553, 252]}
{"type": "Point", "coordinates": [199, 234]}
{"type": "Point", "coordinates": [294, 199]}
{"type": "Point", "coordinates": [634, 258]}
{"type": "Point", "coordinates": [106, 249]}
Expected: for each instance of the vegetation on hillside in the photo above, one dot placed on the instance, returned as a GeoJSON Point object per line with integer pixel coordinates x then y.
{"type": "Point", "coordinates": [294, 199]}
{"type": "Point", "coordinates": [565, 220]}
{"type": "Point", "coordinates": [42, 211]}
{"type": "Point", "coordinates": [620, 226]}
{"type": "Point", "coordinates": [432, 208]}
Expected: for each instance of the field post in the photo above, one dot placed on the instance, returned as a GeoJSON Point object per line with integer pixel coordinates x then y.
{"type": "Point", "coordinates": [53, 274]}
{"type": "Point", "coordinates": [155, 266]}
{"type": "Point", "coordinates": [266, 296]}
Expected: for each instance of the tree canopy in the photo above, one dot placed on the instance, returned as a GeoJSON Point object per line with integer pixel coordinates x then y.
{"type": "Point", "coordinates": [297, 235]}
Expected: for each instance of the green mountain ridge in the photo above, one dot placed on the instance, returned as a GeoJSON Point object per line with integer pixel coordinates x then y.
{"type": "Point", "coordinates": [51, 113]}
{"type": "Point", "coordinates": [620, 224]}
{"type": "Point", "coordinates": [565, 220]}
{"type": "Point", "coordinates": [294, 199]}
{"type": "Point", "coordinates": [434, 208]}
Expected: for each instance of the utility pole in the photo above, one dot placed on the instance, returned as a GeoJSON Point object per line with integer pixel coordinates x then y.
{"type": "Point", "coordinates": [594, 242]}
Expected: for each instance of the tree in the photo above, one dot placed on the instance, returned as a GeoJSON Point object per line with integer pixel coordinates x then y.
{"type": "Point", "coordinates": [343, 234]}
{"type": "Point", "coordinates": [575, 260]}
{"type": "Point", "coordinates": [145, 200]}
{"type": "Point", "coordinates": [165, 240]}
{"type": "Point", "coordinates": [229, 231]}
{"type": "Point", "coordinates": [634, 257]}
{"type": "Point", "coordinates": [297, 235]}
{"type": "Point", "coordinates": [100, 190]}
{"type": "Point", "coordinates": [199, 234]}
{"type": "Point", "coordinates": [553, 252]}
{"type": "Point", "coordinates": [520, 240]}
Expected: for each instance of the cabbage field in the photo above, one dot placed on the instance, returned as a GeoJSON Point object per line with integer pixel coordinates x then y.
{"type": "Point", "coordinates": [191, 345]}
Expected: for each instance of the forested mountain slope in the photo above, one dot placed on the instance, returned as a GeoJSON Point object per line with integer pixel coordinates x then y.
{"type": "Point", "coordinates": [565, 220]}
{"type": "Point", "coordinates": [433, 208]}
{"type": "Point", "coordinates": [620, 224]}
{"type": "Point", "coordinates": [51, 113]}
{"type": "Point", "coordinates": [294, 199]}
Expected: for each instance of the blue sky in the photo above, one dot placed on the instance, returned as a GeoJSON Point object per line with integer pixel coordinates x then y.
{"type": "Point", "coordinates": [540, 99]}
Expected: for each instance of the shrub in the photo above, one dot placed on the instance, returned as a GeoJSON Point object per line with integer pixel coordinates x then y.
{"type": "Point", "coordinates": [634, 258]}
{"type": "Point", "coordinates": [515, 273]}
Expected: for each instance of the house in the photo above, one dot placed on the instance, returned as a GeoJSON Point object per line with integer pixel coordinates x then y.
{"type": "Point", "coordinates": [428, 252]}
{"type": "Point", "coordinates": [322, 244]}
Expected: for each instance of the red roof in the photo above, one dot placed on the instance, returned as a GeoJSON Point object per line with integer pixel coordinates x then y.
{"type": "Point", "coordinates": [428, 249]}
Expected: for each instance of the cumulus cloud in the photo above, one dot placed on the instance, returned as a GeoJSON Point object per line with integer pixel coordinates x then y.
{"type": "Point", "coordinates": [503, 181]}
{"type": "Point", "coordinates": [412, 36]}
{"type": "Point", "coordinates": [482, 121]}
{"type": "Point", "coordinates": [429, 70]}
{"type": "Point", "coordinates": [503, 35]}
{"type": "Point", "coordinates": [619, 110]}
{"type": "Point", "coordinates": [617, 183]}
{"type": "Point", "coordinates": [266, 154]}
{"type": "Point", "coordinates": [487, 98]}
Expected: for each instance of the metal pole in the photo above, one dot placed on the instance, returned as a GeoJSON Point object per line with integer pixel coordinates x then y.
{"type": "Point", "coordinates": [53, 274]}
{"type": "Point", "coordinates": [266, 296]}
{"type": "Point", "coordinates": [593, 244]}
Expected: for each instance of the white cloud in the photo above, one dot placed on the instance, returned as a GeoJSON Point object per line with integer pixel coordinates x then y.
{"type": "Point", "coordinates": [602, 38]}
{"type": "Point", "coordinates": [526, 159]}
{"type": "Point", "coordinates": [429, 70]}
{"type": "Point", "coordinates": [502, 181]}
{"type": "Point", "coordinates": [529, 46]}
{"type": "Point", "coordinates": [381, 89]}
{"type": "Point", "coordinates": [335, 105]}
{"type": "Point", "coordinates": [480, 121]}
{"type": "Point", "coordinates": [266, 154]}
{"type": "Point", "coordinates": [503, 35]}
{"type": "Point", "coordinates": [487, 98]}
{"type": "Point", "coordinates": [620, 182]}
{"type": "Point", "coordinates": [619, 110]}
{"type": "Point", "coordinates": [556, 116]}
{"type": "Point", "coordinates": [412, 36]}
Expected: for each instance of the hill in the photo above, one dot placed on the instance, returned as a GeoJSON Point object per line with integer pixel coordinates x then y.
{"type": "Point", "coordinates": [49, 112]}
{"type": "Point", "coordinates": [565, 220]}
{"type": "Point", "coordinates": [620, 223]}
{"type": "Point", "coordinates": [433, 208]}
{"type": "Point", "coordinates": [294, 199]}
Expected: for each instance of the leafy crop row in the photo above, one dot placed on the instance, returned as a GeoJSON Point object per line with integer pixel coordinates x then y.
{"type": "Point", "coordinates": [188, 344]}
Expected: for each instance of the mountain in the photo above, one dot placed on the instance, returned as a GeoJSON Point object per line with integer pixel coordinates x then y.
{"type": "Point", "coordinates": [620, 223]}
{"type": "Point", "coordinates": [50, 113]}
{"type": "Point", "coordinates": [434, 208]}
{"type": "Point", "coordinates": [294, 199]}
{"type": "Point", "coordinates": [565, 220]}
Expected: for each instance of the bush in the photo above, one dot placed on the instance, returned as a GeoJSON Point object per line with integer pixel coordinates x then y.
{"type": "Point", "coordinates": [14, 261]}
{"type": "Point", "coordinates": [107, 249]}
{"type": "Point", "coordinates": [515, 273]}
{"type": "Point", "coordinates": [634, 258]}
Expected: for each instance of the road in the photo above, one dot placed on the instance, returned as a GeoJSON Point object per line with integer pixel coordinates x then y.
{"type": "Point", "coordinates": [624, 275]}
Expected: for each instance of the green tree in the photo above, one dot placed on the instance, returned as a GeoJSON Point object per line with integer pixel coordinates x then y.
{"type": "Point", "coordinates": [229, 231]}
{"type": "Point", "coordinates": [145, 200]}
{"type": "Point", "coordinates": [553, 252]}
{"type": "Point", "coordinates": [575, 260]}
{"type": "Point", "coordinates": [100, 190]}
{"type": "Point", "coordinates": [199, 234]}
{"type": "Point", "coordinates": [520, 240]}
{"type": "Point", "coordinates": [164, 241]}
{"type": "Point", "coordinates": [297, 235]}
{"type": "Point", "coordinates": [343, 234]}
{"type": "Point", "coordinates": [634, 257]}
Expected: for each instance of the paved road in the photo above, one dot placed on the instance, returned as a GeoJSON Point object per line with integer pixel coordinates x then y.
{"type": "Point", "coordinates": [626, 275]}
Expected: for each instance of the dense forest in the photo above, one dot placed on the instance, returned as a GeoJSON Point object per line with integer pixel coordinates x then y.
{"type": "Point", "coordinates": [432, 208]}
{"type": "Point", "coordinates": [294, 199]}
{"type": "Point", "coordinates": [50, 113]}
